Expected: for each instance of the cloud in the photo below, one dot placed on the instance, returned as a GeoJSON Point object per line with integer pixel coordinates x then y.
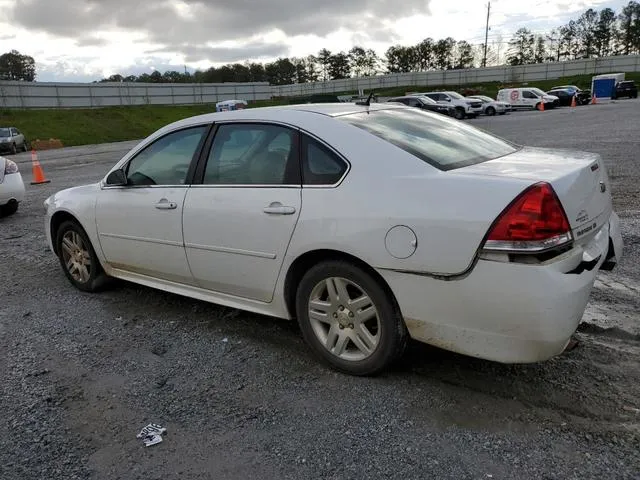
{"type": "Point", "coordinates": [257, 51]}
{"type": "Point", "coordinates": [177, 25]}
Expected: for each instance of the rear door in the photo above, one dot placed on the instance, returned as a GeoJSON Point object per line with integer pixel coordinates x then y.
{"type": "Point", "coordinates": [239, 219]}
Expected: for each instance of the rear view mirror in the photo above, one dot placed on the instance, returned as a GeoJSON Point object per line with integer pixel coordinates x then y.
{"type": "Point", "coordinates": [117, 178]}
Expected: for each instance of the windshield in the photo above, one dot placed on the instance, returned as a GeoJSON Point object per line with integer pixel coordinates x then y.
{"type": "Point", "coordinates": [442, 142]}
{"type": "Point", "coordinates": [4, 132]}
{"type": "Point", "coordinates": [483, 98]}
{"type": "Point", "coordinates": [537, 91]}
{"type": "Point", "coordinates": [454, 95]}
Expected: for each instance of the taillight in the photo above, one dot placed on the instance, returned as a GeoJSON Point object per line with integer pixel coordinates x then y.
{"type": "Point", "coordinates": [535, 221]}
{"type": "Point", "coordinates": [10, 167]}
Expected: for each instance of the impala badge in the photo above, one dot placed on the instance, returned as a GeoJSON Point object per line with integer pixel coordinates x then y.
{"type": "Point", "coordinates": [583, 216]}
{"type": "Point", "coordinates": [603, 187]}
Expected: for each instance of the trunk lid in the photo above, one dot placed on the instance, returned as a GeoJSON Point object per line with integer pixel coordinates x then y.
{"type": "Point", "coordinates": [579, 179]}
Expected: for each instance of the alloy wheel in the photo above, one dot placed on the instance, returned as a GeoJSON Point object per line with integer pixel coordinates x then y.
{"type": "Point", "coordinates": [344, 319]}
{"type": "Point", "coordinates": [76, 256]}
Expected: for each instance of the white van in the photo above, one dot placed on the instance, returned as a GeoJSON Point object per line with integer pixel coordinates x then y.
{"type": "Point", "coordinates": [527, 98]}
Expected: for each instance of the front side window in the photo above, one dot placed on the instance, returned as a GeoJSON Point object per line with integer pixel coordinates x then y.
{"type": "Point", "coordinates": [166, 161]}
{"type": "Point", "coordinates": [527, 94]}
{"type": "Point", "coordinates": [455, 95]}
{"type": "Point", "coordinates": [4, 133]}
{"type": "Point", "coordinates": [253, 154]}
{"type": "Point", "coordinates": [440, 141]}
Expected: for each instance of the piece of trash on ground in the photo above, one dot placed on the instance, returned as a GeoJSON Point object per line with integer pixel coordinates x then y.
{"type": "Point", "coordinates": [151, 434]}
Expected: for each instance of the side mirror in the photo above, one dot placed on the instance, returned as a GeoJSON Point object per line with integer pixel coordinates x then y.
{"type": "Point", "coordinates": [117, 178]}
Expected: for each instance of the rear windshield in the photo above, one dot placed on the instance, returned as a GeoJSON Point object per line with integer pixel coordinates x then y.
{"type": "Point", "coordinates": [442, 142]}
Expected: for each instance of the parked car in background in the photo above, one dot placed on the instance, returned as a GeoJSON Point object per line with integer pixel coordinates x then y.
{"type": "Point", "coordinates": [565, 97]}
{"type": "Point", "coordinates": [627, 88]}
{"type": "Point", "coordinates": [464, 107]}
{"type": "Point", "coordinates": [12, 140]}
{"type": "Point", "coordinates": [490, 106]}
{"type": "Point", "coordinates": [583, 97]}
{"type": "Point", "coordinates": [439, 231]}
{"type": "Point", "coordinates": [11, 187]}
{"type": "Point", "coordinates": [526, 98]}
{"type": "Point", "coordinates": [425, 103]}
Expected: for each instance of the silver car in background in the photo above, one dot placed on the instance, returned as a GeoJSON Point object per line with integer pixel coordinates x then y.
{"type": "Point", "coordinates": [12, 140]}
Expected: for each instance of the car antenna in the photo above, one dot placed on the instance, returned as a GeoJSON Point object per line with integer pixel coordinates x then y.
{"type": "Point", "coordinates": [366, 102]}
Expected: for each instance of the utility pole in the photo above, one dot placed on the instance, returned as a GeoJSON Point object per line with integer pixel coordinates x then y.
{"type": "Point", "coordinates": [486, 36]}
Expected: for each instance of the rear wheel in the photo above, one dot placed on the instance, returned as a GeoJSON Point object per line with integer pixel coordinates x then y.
{"type": "Point", "coordinates": [459, 114]}
{"type": "Point", "coordinates": [78, 258]}
{"type": "Point", "coordinates": [348, 319]}
{"type": "Point", "coordinates": [24, 146]}
{"type": "Point", "coordinates": [491, 111]}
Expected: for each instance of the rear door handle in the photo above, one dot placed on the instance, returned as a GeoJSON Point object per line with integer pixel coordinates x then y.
{"type": "Point", "coordinates": [165, 204]}
{"type": "Point", "coordinates": [276, 208]}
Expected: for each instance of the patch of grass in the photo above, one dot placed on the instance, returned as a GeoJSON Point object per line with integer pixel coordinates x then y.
{"type": "Point", "coordinates": [113, 124]}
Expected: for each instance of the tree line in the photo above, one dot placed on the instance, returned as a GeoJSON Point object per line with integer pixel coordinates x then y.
{"type": "Point", "coordinates": [594, 34]}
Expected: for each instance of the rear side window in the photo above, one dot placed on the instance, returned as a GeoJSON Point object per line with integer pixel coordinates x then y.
{"type": "Point", "coordinates": [442, 142]}
{"type": "Point", "coordinates": [320, 166]}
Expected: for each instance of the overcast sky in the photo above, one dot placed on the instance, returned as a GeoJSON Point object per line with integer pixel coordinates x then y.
{"type": "Point", "coordinates": [84, 40]}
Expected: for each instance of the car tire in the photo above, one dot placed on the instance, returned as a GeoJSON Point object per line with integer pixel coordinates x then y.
{"type": "Point", "coordinates": [459, 114]}
{"type": "Point", "coordinates": [24, 146]}
{"type": "Point", "coordinates": [362, 337]}
{"type": "Point", "coordinates": [14, 149]}
{"type": "Point", "coordinates": [491, 111]}
{"type": "Point", "coordinates": [75, 251]}
{"type": "Point", "coordinates": [9, 209]}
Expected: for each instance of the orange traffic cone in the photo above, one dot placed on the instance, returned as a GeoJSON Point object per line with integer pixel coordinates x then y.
{"type": "Point", "coordinates": [38, 174]}
{"type": "Point", "coordinates": [573, 102]}
{"type": "Point", "coordinates": [594, 100]}
{"type": "Point", "coordinates": [541, 106]}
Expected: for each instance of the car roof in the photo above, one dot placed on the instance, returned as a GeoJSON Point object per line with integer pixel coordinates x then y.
{"type": "Point", "coordinates": [282, 113]}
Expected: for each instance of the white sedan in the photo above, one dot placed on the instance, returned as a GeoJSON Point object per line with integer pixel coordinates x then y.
{"type": "Point", "coordinates": [368, 224]}
{"type": "Point", "coordinates": [11, 187]}
{"type": "Point", "coordinates": [490, 106]}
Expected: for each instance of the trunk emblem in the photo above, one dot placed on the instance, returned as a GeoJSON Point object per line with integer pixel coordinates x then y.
{"type": "Point", "coordinates": [603, 187]}
{"type": "Point", "coordinates": [583, 216]}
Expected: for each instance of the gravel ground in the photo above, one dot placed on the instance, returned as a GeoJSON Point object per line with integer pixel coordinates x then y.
{"type": "Point", "coordinates": [241, 397]}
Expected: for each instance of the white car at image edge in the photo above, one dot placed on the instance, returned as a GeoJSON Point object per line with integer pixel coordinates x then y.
{"type": "Point", "coordinates": [367, 224]}
{"type": "Point", "coordinates": [11, 187]}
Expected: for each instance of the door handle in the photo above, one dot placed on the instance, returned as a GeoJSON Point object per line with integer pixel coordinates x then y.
{"type": "Point", "coordinates": [165, 204]}
{"type": "Point", "coordinates": [276, 208]}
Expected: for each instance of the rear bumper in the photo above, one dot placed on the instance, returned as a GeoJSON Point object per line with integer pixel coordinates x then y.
{"type": "Point", "coordinates": [12, 189]}
{"type": "Point", "coordinates": [506, 312]}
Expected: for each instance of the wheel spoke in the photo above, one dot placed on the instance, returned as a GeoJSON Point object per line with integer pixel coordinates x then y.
{"type": "Point", "coordinates": [332, 337]}
{"type": "Point", "coordinates": [363, 340]}
{"type": "Point", "coordinates": [320, 317]}
{"type": "Point", "coordinates": [341, 288]}
{"type": "Point", "coordinates": [366, 314]}
{"type": "Point", "coordinates": [341, 344]}
{"type": "Point", "coordinates": [67, 245]}
{"type": "Point", "coordinates": [333, 293]}
{"type": "Point", "coordinates": [84, 273]}
{"type": "Point", "coordinates": [320, 306]}
{"type": "Point", "coordinates": [359, 303]}
{"type": "Point", "coordinates": [86, 258]}
{"type": "Point", "coordinates": [69, 264]}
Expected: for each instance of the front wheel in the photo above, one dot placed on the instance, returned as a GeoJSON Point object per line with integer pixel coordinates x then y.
{"type": "Point", "coordinates": [14, 149]}
{"type": "Point", "coordinates": [459, 114]}
{"type": "Point", "coordinates": [78, 258]}
{"type": "Point", "coordinates": [348, 319]}
{"type": "Point", "coordinates": [8, 209]}
{"type": "Point", "coordinates": [491, 111]}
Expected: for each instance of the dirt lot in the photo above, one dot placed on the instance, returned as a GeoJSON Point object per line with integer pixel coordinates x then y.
{"type": "Point", "coordinates": [242, 398]}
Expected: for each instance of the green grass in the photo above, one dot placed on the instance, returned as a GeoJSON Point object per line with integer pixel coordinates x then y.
{"type": "Point", "coordinates": [113, 124]}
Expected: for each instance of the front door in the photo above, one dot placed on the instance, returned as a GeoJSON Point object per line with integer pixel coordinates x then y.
{"type": "Point", "coordinates": [239, 221]}
{"type": "Point", "coordinates": [140, 225]}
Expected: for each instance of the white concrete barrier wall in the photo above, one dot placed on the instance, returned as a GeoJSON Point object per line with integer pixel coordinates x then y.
{"type": "Point", "coordinates": [76, 95]}
{"type": "Point", "coordinates": [72, 95]}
